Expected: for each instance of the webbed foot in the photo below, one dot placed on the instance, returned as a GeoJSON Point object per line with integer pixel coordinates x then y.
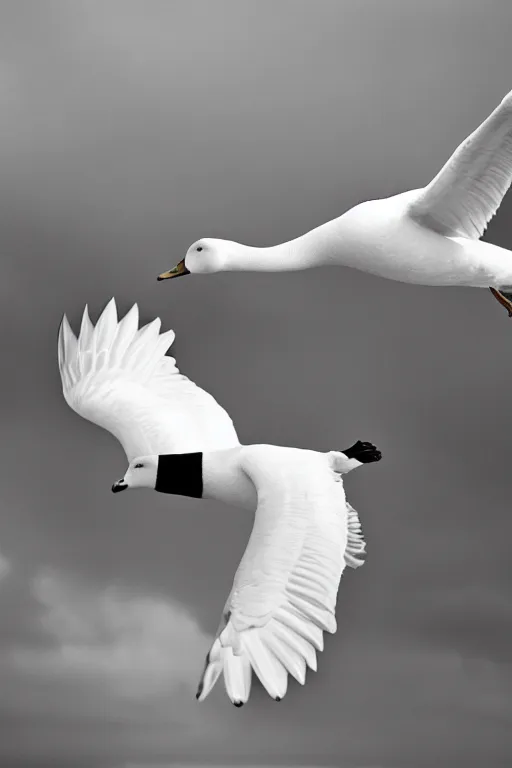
{"type": "Point", "coordinates": [363, 452]}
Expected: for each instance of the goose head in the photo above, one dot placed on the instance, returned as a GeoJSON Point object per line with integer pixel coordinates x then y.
{"type": "Point", "coordinates": [141, 473]}
{"type": "Point", "coordinates": [204, 257]}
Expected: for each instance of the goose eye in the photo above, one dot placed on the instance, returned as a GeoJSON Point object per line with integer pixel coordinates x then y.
{"type": "Point", "coordinates": [139, 466]}
{"type": "Point", "coordinates": [199, 248]}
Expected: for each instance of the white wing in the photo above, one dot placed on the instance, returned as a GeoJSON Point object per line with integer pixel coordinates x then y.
{"type": "Point", "coordinates": [284, 592]}
{"type": "Point", "coordinates": [468, 190]}
{"type": "Point", "coordinates": [120, 378]}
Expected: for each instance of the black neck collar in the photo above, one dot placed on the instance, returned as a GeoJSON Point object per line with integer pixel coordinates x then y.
{"type": "Point", "coordinates": [180, 474]}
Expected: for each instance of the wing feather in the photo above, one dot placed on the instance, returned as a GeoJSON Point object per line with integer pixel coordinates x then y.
{"type": "Point", "coordinates": [119, 377]}
{"type": "Point", "coordinates": [468, 190]}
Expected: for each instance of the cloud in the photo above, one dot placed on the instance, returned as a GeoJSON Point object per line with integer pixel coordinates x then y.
{"type": "Point", "coordinates": [139, 646]}
{"type": "Point", "coordinates": [114, 671]}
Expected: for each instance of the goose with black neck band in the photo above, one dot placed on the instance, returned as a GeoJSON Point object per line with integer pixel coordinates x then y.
{"type": "Point", "coordinates": [179, 440]}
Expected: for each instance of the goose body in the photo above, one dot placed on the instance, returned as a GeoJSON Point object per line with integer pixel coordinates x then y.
{"type": "Point", "coordinates": [179, 440]}
{"type": "Point", "coordinates": [429, 236]}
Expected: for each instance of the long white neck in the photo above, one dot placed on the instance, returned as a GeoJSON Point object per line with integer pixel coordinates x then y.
{"type": "Point", "coordinates": [225, 481]}
{"type": "Point", "coordinates": [310, 250]}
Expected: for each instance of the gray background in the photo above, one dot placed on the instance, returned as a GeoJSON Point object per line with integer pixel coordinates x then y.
{"type": "Point", "coordinates": [127, 131]}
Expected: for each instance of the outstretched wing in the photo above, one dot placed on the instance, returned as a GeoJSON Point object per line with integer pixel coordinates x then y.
{"type": "Point", "coordinates": [119, 377]}
{"type": "Point", "coordinates": [468, 190]}
{"type": "Point", "coordinates": [284, 592]}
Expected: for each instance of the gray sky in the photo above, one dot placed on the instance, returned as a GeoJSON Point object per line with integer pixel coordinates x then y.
{"type": "Point", "coordinates": [127, 131]}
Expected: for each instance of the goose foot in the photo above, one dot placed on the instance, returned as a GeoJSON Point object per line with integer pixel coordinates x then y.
{"type": "Point", "coordinates": [504, 298]}
{"type": "Point", "coordinates": [363, 452]}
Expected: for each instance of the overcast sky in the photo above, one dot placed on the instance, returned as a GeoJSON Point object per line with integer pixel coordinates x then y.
{"type": "Point", "coordinates": [128, 130]}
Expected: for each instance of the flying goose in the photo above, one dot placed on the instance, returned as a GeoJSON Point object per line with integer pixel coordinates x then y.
{"type": "Point", "coordinates": [179, 440]}
{"type": "Point", "coordinates": [426, 236]}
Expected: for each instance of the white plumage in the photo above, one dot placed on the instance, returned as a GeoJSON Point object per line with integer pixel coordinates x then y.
{"type": "Point", "coordinates": [284, 592]}
{"type": "Point", "coordinates": [426, 236]}
{"type": "Point", "coordinates": [466, 193]}
{"type": "Point", "coordinates": [119, 377]}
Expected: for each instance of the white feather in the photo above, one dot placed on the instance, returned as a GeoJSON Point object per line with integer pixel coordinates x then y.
{"type": "Point", "coordinates": [119, 378]}
{"type": "Point", "coordinates": [468, 190]}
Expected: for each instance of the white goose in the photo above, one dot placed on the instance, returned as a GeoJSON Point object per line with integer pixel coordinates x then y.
{"type": "Point", "coordinates": [427, 236]}
{"type": "Point", "coordinates": [179, 440]}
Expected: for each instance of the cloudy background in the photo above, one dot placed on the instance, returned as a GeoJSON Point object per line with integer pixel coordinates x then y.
{"type": "Point", "coordinates": [128, 130]}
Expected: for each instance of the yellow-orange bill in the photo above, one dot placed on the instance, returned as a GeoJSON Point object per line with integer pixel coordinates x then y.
{"type": "Point", "coordinates": [179, 270]}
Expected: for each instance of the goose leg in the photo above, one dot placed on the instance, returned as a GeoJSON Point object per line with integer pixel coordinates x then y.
{"type": "Point", "coordinates": [504, 298]}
